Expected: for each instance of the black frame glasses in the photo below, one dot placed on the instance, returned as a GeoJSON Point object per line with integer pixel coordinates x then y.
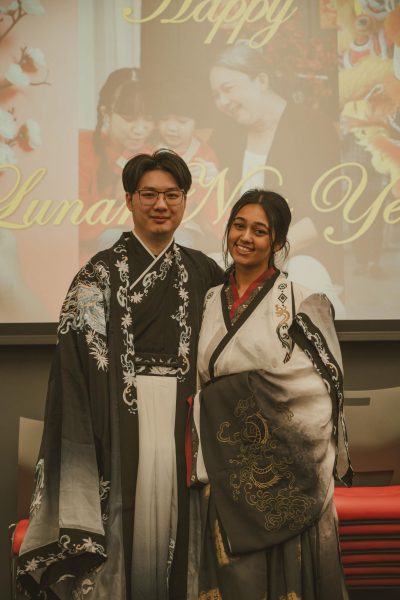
{"type": "Point", "coordinates": [150, 197]}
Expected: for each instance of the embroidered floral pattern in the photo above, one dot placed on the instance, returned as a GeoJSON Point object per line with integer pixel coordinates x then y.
{"type": "Point", "coordinates": [39, 486]}
{"type": "Point", "coordinates": [156, 364]}
{"type": "Point", "coordinates": [86, 309]}
{"type": "Point", "coordinates": [127, 357]}
{"type": "Point", "coordinates": [68, 548]}
{"type": "Point", "coordinates": [181, 316]}
{"type": "Point", "coordinates": [127, 301]}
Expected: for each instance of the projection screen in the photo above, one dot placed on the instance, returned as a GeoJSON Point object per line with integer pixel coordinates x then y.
{"type": "Point", "coordinates": [300, 97]}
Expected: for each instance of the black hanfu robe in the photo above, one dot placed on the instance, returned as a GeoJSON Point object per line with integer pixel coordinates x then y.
{"type": "Point", "coordinates": [263, 437]}
{"type": "Point", "coordinates": [113, 441]}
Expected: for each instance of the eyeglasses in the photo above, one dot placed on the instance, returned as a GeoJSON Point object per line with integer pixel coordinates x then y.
{"type": "Point", "coordinates": [171, 197]}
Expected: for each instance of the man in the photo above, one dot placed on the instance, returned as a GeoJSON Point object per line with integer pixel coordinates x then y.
{"type": "Point", "coordinates": [110, 509]}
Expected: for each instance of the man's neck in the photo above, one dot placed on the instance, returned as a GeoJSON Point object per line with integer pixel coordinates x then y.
{"type": "Point", "coordinates": [155, 247]}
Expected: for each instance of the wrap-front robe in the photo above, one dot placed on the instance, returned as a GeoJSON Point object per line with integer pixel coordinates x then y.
{"type": "Point", "coordinates": [110, 509]}
{"type": "Point", "coordinates": [263, 438]}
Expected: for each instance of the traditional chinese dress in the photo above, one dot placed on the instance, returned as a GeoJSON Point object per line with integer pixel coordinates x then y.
{"type": "Point", "coordinates": [110, 510]}
{"type": "Point", "coordinates": [263, 437]}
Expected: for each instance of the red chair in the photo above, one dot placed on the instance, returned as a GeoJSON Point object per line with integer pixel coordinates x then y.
{"type": "Point", "coordinates": [17, 535]}
{"type": "Point", "coordinates": [369, 532]}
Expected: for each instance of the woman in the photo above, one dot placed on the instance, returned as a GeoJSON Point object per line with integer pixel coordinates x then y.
{"type": "Point", "coordinates": [123, 129]}
{"type": "Point", "coordinates": [297, 145]}
{"type": "Point", "coordinates": [264, 428]}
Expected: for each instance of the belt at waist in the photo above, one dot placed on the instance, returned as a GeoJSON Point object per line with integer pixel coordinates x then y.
{"type": "Point", "coordinates": [148, 363]}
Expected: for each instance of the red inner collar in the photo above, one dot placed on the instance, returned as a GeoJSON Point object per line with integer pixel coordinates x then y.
{"type": "Point", "coordinates": [239, 300]}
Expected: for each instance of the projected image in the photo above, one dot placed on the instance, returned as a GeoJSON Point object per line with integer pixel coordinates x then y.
{"type": "Point", "coordinates": [183, 127]}
{"type": "Point", "coordinates": [268, 112]}
{"type": "Point", "coordinates": [285, 140]}
{"type": "Point", "coordinates": [123, 128]}
{"type": "Point", "coordinates": [369, 91]}
{"type": "Point", "coordinates": [302, 98]}
{"type": "Point", "coordinates": [38, 158]}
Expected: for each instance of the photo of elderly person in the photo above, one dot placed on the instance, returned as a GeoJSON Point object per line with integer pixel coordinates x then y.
{"type": "Point", "coordinates": [265, 130]}
{"type": "Point", "coordinates": [123, 129]}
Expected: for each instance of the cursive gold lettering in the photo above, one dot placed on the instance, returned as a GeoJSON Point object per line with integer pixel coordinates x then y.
{"type": "Point", "coordinates": [106, 212]}
{"type": "Point", "coordinates": [38, 212]}
{"type": "Point", "coordinates": [227, 16]}
{"type": "Point", "coordinates": [217, 186]}
{"type": "Point", "coordinates": [393, 207]}
{"type": "Point", "coordinates": [351, 201]}
{"type": "Point", "coordinates": [263, 36]}
{"type": "Point", "coordinates": [339, 189]}
{"type": "Point", "coordinates": [17, 194]}
{"type": "Point", "coordinates": [221, 13]}
{"type": "Point", "coordinates": [196, 15]}
{"type": "Point", "coordinates": [127, 12]}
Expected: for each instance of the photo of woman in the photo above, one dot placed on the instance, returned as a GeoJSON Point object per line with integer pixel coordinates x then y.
{"type": "Point", "coordinates": [284, 145]}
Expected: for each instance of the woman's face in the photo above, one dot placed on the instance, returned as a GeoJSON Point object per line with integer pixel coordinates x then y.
{"type": "Point", "coordinates": [249, 242]}
{"type": "Point", "coordinates": [237, 95]}
{"type": "Point", "coordinates": [176, 132]}
{"type": "Point", "coordinates": [130, 133]}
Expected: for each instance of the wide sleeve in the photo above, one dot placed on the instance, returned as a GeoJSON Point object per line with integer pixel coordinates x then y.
{"type": "Point", "coordinates": [313, 330]}
{"type": "Point", "coordinates": [70, 499]}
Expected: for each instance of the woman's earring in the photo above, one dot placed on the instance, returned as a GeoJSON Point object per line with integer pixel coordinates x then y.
{"type": "Point", "coordinates": [106, 125]}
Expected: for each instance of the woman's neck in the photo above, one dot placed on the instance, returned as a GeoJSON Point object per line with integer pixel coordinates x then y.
{"type": "Point", "coordinates": [245, 277]}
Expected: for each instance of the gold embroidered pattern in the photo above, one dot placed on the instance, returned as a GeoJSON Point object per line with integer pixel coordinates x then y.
{"type": "Point", "coordinates": [261, 470]}
{"type": "Point", "coordinates": [290, 596]}
{"type": "Point", "coordinates": [213, 594]}
{"type": "Point", "coordinates": [282, 329]}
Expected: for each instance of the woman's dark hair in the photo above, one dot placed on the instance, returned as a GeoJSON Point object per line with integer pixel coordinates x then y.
{"type": "Point", "coordinates": [123, 94]}
{"type": "Point", "coordinates": [278, 214]}
{"type": "Point", "coordinates": [252, 62]}
{"type": "Point", "coordinates": [163, 160]}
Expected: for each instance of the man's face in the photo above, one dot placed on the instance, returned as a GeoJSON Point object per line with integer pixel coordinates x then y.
{"type": "Point", "coordinates": [156, 224]}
